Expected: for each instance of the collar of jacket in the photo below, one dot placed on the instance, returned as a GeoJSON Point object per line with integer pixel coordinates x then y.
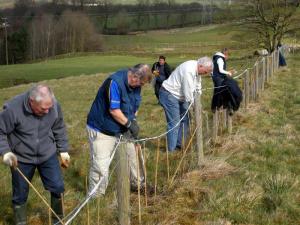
{"type": "Point", "coordinates": [27, 105]}
{"type": "Point", "coordinates": [220, 54]}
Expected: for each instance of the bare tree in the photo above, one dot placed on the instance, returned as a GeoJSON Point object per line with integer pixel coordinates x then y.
{"type": "Point", "coordinates": [271, 20]}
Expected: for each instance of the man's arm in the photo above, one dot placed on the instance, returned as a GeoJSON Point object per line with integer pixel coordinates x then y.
{"type": "Point", "coordinates": [59, 132]}
{"type": "Point", "coordinates": [167, 70]}
{"type": "Point", "coordinates": [153, 67]}
{"type": "Point", "coordinates": [119, 116]}
{"type": "Point", "coordinates": [188, 86]}
{"type": "Point", "coordinates": [7, 125]}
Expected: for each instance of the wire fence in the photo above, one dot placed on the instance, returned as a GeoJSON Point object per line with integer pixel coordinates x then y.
{"type": "Point", "coordinates": [253, 82]}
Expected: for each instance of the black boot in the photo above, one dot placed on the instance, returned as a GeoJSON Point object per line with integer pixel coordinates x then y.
{"type": "Point", "coordinates": [20, 214]}
{"type": "Point", "coordinates": [57, 206]}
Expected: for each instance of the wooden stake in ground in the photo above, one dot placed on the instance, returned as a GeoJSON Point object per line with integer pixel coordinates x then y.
{"type": "Point", "coordinates": [87, 205]}
{"type": "Point", "coordinates": [123, 186]}
{"type": "Point", "coordinates": [137, 149]}
{"type": "Point", "coordinates": [229, 122]}
{"type": "Point", "coordinates": [246, 88]}
{"type": "Point", "coordinates": [168, 164]}
{"type": "Point", "coordinates": [184, 153]}
{"type": "Point", "coordinates": [215, 125]}
{"type": "Point", "coordinates": [145, 173]}
{"type": "Point", "coordinates": [49, 215]}
{"type": "Point", "coordinates": [41, 197]}
{"type": "Point", "coordinates": [198, 120]}
{"type": "Point", "coordinates": [156, 166]}
{"type": "Point", "coordinates": [98, 211]}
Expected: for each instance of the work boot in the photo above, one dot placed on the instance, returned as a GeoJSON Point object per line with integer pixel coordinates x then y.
{"type": "Point", "coordinates": [20, 214]}
{"type": "Point", "coordinates": [57, 206]}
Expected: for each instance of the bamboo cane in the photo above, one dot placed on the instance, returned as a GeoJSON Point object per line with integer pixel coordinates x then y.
{"type": "Point", "coordinates": [145, 173]}
{"type": "Point", "coordinates": [87, 205]}
{"type": "Point", "coordinates": [41, 197]}
{"type": "Point", "coordinates": [138, 180]}
{"type": "Point", "coordinates": [187, 147]}
{"type": "Point", "coordinates": [156, 167]}
{"type": "Point", "coordinates": [98, 211]}
{"type": "Point", "coordinates": [168, 164]}
{"type": "Point", "coordinates": [49, 216]}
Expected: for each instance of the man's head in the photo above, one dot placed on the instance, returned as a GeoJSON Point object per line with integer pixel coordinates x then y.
{"type": "Point", "coordinates": [205, 65]}
{"type": "Point", "coordinates": [138, 75]}
{"type": "Point", "coordinates": [225, 51]}
{"type": "Point", "coordinates": [41, 99]}
{"type": "Point", "coordinates": [162, 60]}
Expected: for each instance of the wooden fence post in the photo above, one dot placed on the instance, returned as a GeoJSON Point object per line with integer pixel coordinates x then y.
{"type": "Point", "coordinates": [123, 186]}
{"type": "Point", "coordinates": [272, 64]}
{"type": "Point", "coordinates": [253, 91]}
{"type": "Point", "coordinates": [267, 69]}
{"type": "Point", "coordinates": [229, 122]}
{"type": "Point", "coordinates": [198, 120]}
{"type": "Point", "coordinates": [263, 74]}
{"type": "Point", "coordinates": [215, 125]}
{"type": "Point", "coordinates": [246, 88]}
{"type": "Point", "coordinates": [257, 81]}
{"type": "Point", "coordinates": [225, 112]}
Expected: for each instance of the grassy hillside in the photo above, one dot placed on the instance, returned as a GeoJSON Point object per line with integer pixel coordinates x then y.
{"type": "Point", "coordinates": [250, 177]}
{"type": "Point", "coordinates": [10, 3]}
{"type": "Point", "coordinates": [120, 51]}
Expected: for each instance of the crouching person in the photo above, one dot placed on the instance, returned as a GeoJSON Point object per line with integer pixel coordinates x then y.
{"type": "Point", "coordinates": [32, 132]}
{"type": "Point", "coordinates": [113, 113]}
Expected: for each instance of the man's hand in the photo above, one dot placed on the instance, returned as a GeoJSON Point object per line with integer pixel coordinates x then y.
{"type": "Point", "coordinates": [65, 159]}
{"type": "Point", "coordinates": [133, 127]}
{"type": "Point", "coordinates": [10, 159]}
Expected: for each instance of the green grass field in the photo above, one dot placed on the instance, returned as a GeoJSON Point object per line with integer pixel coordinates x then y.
{"type": "Point", "coordinates": [251, 177]}
{"type": "Point", "coordinates": [122, 51]}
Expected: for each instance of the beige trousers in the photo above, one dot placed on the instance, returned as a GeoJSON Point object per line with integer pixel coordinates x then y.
{"type": "Point", "coordinates": [101, 149]}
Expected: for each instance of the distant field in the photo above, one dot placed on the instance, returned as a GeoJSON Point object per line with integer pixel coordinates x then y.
{"type": "Point", "coordinates": [126, 50]}
{"type": "Point", "coordinates": [10, 3]}
{"type": "Point", "coordinates": [6, 3]}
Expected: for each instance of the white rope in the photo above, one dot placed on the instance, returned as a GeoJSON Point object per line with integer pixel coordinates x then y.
{"type": "Point", "coordinates": [75, 211]}
{"type": "Point", "coordinates": [168, 131]}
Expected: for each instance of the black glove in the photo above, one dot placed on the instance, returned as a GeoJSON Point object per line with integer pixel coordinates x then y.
{"type": "Point", "coordinates": [133, 127]}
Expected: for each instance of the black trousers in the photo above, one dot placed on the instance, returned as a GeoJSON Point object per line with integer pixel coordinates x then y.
{"type": "Point", "coordinates": [157, 86]}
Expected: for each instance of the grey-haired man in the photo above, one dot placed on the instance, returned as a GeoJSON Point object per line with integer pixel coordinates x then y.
{"type": "Point", "coordinates": [32, 132]}
{"type": "Point", "coordinates": [175, 95]}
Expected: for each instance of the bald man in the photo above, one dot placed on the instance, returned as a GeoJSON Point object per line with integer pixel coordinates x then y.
{"type": "Point", "coordinates": [32, 132]}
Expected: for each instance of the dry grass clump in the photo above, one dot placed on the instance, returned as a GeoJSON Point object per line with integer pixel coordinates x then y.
{"type": "Point", "coordinates": [218, 222]}
{"type": "Point", "coordinates": [235, 143]}
{"type": "Point", "coordinates": [182, 202]}
{"type": "Point", "coordinates": [212, 169]}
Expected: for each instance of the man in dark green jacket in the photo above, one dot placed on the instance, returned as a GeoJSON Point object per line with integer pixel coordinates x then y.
{"type": "Point", "coordinates": [161, 71]}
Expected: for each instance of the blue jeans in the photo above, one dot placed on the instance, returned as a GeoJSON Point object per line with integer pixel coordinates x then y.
{"type": "Point", "coordinates": [174, 111]}
{"type": "Point", "coordinates": [50, 173]}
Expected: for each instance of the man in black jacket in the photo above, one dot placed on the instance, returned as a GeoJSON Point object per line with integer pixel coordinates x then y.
{"type": "Point", "coordinates": [162, 71]}
{"type": "Point", "coordinates": [227, 94]}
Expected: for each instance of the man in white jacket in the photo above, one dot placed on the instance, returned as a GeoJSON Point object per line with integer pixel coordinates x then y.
{"type": "Point", "coordinates": [175, 95]}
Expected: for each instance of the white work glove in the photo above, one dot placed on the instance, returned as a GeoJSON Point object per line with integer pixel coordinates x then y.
{"type": "Point", "coordinates": [10, 159]}
{"type": "Point", "coordinates": [65, 159]}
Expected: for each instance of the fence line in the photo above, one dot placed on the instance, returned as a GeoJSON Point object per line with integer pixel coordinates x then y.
{"type": "Point", "coordinates": [253, 84]}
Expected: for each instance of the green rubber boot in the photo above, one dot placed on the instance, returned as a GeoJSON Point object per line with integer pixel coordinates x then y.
{"type": "Point", "coordinates": [20, 214]}
{"type": "Point", "coordinates": [56, 205]}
